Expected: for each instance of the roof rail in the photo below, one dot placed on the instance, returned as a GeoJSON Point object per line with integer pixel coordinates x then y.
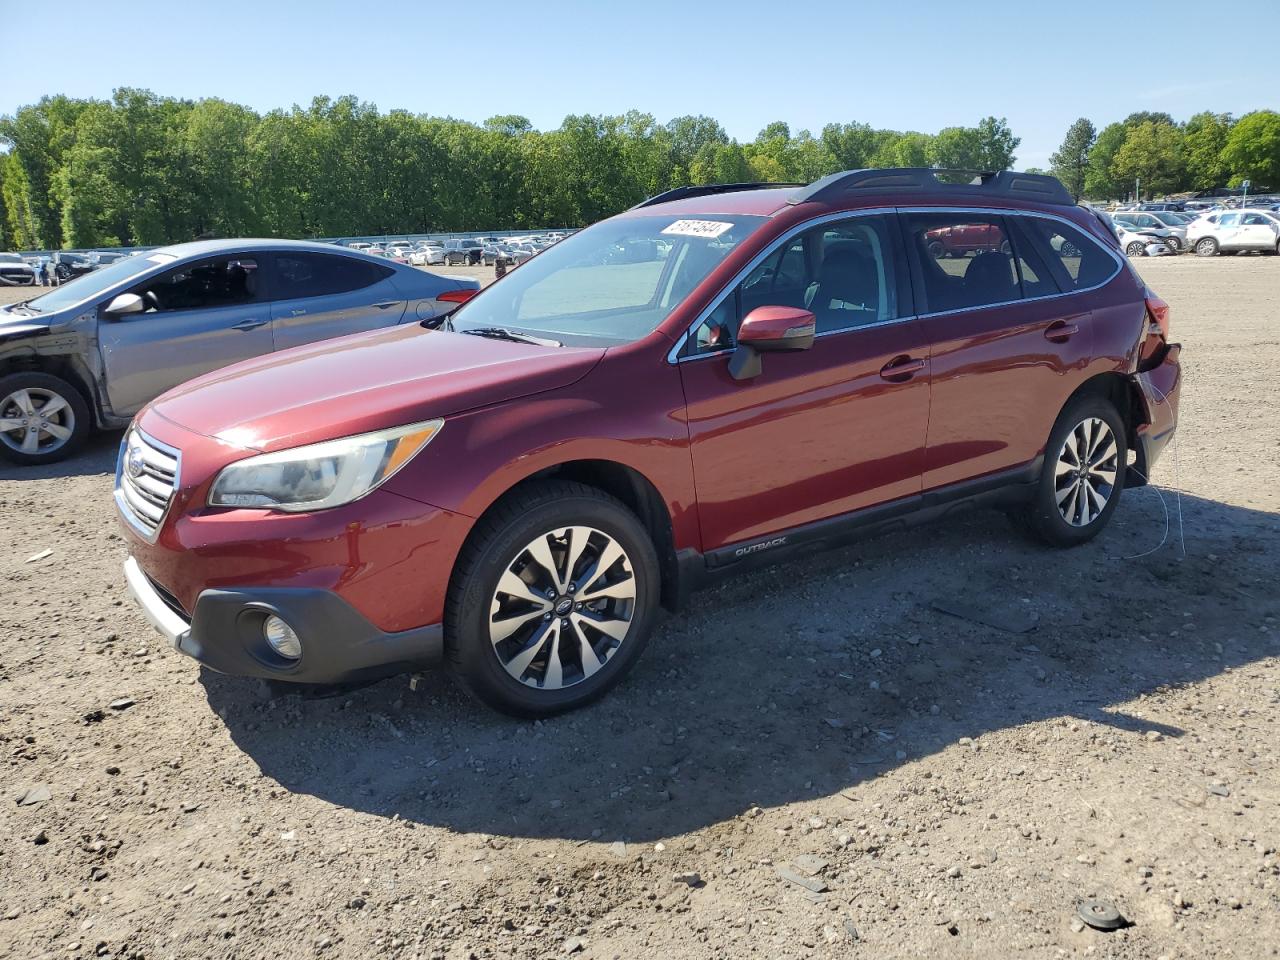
{"type": "Point", "coordinates": [1005, 183]}
{"type": "Point", "coordinates": [681, 193]}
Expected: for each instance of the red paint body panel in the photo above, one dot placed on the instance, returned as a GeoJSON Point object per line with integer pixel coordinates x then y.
{"type": "Point", "coordinates": [364, 382]}
{"type": "Point", "coordinates": [819, 433]}
{"type": "Point", "coordinates": [371, 552]}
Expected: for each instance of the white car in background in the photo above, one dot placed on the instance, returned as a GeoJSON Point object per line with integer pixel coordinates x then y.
{"type": "Point", "coordinates": [1235, 230]}
{"type": "Point", "coordinates": [1156, 222]}
{"type": "Point", "coordinates": [429, 253]}
{"type": "Point", "coordinates": [14, 271]}
{"type": "Point", "coordinates": [1141, 243]}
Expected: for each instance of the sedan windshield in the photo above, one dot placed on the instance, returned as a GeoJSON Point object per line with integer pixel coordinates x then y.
{"type": "Point", "coordinates": [91, 284]}
{"type": "Point", "coordinates": [614, 282]}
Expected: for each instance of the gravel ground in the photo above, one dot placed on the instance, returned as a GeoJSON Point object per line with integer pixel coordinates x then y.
{"type": "Point", "coordinates": [946, 788]}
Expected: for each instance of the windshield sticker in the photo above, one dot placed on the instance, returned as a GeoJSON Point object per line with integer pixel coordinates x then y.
{"type": "Point", "coordinates": [707, 229]}
{"type": "Point", "coordinates": [161, 258]}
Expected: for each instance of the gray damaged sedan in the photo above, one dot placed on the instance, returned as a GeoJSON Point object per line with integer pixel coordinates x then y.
{"type": "Point", "coordinates": [91, 353]}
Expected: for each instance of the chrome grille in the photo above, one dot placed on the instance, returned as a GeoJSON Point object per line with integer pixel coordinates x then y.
{"type": "Point", "coordinates": [146, 476]}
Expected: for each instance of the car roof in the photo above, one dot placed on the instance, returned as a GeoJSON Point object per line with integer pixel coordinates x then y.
{"type": "Point", "coordinates": [210, 248]}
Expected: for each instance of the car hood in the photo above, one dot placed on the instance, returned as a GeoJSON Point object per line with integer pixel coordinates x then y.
{"type": "Point", "coordinates": [365, 382]}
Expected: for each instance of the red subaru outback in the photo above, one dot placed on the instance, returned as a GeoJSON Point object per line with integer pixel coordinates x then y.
{"type": "Point", "coordinates": [707, 381]}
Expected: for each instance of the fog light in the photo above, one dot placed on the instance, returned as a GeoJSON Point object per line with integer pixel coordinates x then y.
{"type": "Point", "coordinates": [281, 638]}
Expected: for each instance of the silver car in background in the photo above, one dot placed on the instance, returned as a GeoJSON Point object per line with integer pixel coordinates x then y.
{"type": "Point", "coordinates": [93, 351]}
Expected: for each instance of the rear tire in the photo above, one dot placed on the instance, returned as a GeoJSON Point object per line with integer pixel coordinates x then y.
{"type": "Point", "coordinates": [522, 638]}
{"type": "Point", "coordinates": [1084, 467]}
{"type": "Point", "coordinates": [51, 407]}
{"type": "Point", "coordinates": [1136, 249]}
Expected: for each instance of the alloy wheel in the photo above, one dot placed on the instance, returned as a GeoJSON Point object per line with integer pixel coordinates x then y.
{"type": "Point", "coordinates": [1085, 474]}
{"type": "Point", "coordinates": [562, 608]}
{"type": "Point", "coordinates": [34, 420]}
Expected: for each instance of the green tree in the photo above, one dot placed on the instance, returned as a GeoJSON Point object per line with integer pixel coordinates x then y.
{"type": "Point", "coordinates": [1100, 180]}
{"type": "Point", "coordinates": [996, 144]}
{"type": "Point", "coordinates": [1205, 139]}
{"type": "Point", "coordinates": [1151, 154]}
{"type": "Point", "coordinates": [1252, 150]}
{"type": "Point", "coordinates": [957, 148]}
{"type": "Point", "coordinates": [1070, 162]}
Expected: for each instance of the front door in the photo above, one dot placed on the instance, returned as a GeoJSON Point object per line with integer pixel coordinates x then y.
{"type": "Point", "coordinates": [822, 432]}
{"type": "Point", "coordinates": [199, 317]}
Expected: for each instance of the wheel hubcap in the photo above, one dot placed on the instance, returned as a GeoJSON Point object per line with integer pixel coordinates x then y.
{"type": "Point", "coordinates": [34, 420]}
{"type": "Point", "coordinates": [562, 608]}
{"type": "Point", "coordinates": [1085, 474]}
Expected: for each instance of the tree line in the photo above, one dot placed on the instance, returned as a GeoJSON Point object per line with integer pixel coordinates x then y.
{"type": "Point", "coordinates": [1161, 156]}
{"type": "Point", "coordinates": [145, 169]}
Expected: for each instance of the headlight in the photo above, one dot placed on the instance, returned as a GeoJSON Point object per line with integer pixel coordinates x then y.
{"type": "Point", "coordinates": [322, 475]}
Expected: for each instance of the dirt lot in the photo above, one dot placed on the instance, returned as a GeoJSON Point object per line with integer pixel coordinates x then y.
{"type": "Point", "coordinates": [960, 788]}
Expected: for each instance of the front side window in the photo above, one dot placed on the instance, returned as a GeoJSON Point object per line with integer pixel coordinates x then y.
{"type": "Point", "coordinates": [845, 273]}
{"type": "Point", "coordinates": [614, 282]}
{"type": "Point", "coordinates": [301, 275]}
{"type": "Point", "coordinates": [966, 260]}
{"type": "Point", "coordinates": [220, 282]}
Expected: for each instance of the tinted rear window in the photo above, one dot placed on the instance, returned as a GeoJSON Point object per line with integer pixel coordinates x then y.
{"type": "Point", "coordinates": [1076, 260]}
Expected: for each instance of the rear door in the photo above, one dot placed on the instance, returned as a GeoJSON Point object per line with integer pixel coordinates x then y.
{"type": "Point", "coordinates": [1257, 232]}
{"type": "Point", "coordinates": [1007, 350]}
{"type": "Point", "coordinates": [200, 316]}
{"type": "Point", "coordinates": [319, 295]}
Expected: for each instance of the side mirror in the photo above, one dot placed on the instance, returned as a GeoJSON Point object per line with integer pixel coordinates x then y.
{"type": "Point", "coordinates": [766, 330]}
{"type": "Point", "coordinates": [125, 303]}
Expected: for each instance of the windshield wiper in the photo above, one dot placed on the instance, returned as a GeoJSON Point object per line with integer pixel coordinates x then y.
{"type": "Point", "coordinates": [502, 333]}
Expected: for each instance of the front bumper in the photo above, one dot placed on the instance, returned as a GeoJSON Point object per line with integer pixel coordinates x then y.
{"type": "Point", "coordinates": [338, 644]}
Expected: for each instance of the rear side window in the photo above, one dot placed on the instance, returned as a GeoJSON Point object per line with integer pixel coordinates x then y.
{"type": "Point", "coordinates": [301, 275]}
{"type": "Point", "coordinates": [965, 260]}
{"type": "Point", "coordinates": [1076, 261]}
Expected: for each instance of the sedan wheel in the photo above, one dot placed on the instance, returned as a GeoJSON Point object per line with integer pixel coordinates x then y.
{"type": "Point", "coordinates": [35, 421]}
{"type": "Point", "coordinates": [1085, 474]}
{"type": "Point", "coordinates": [563, 608]}
{"type": "Point", "coordinates": [1174, 244]}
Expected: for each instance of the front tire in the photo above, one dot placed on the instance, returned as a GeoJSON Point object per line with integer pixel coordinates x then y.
{"type": "Point", "coordinates": [1084, 467]}
{"type": "Point", "coordinates": [1206, 247]}
{"type": "Point", "coordinates": [43, 418]}
{"type": "Point", "coordinates": [552, 600]}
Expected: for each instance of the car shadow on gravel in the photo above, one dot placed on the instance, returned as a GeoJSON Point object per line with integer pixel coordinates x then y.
{"type": "Point", "coordinates": [97, 457]}
{"type": "Point", "coordinates": [803, 681]}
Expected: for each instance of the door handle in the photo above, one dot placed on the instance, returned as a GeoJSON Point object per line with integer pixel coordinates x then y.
{"type": "Point", "coordinates": [1060, 331]}
{"type": "Point", "coordinates": [297, 313]}
{"type": "Point", "coordinates": [901, 368]}
{"type": "Point", "coordinates": [249, 324]}
{"type": "Point", "coordinates": [382, 305]}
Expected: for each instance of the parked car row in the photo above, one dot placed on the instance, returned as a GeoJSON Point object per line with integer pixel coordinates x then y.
{"type": "Point", "coordinates": [459, 251]}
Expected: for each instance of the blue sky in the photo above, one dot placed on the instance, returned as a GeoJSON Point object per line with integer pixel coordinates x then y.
{"type": "Point", "coordinates": [920, 66]}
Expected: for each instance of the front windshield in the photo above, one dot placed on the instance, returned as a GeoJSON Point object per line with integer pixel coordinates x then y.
{"type": "Point", "coordinates": [614, 282]}
{"type": "Point", "coordinates": [91, 284]}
